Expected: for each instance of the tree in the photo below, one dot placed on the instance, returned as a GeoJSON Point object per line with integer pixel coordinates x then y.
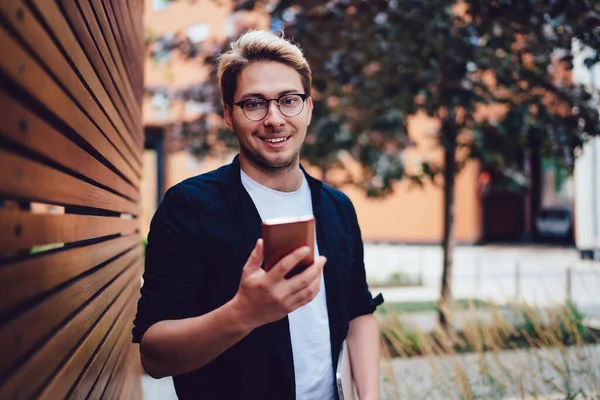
{"type": "Point", "coordinates": [375, 63]}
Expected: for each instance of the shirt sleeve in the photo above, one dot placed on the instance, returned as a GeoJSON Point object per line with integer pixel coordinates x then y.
{"type": "Point", "coordinates": [361, 300]}
{"type": "Point", "coordinates": [172, 277]}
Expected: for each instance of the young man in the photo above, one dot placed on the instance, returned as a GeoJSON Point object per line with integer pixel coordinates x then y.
{"type": "Point", "coordinates": [209, 315]}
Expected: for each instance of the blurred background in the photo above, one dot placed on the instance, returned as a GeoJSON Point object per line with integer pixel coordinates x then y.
{"type": "Point", "coordinates": [465, 132]}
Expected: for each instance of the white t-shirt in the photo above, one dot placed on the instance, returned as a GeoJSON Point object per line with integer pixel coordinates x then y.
{"type": "Point", "coordinates": [309, 325]}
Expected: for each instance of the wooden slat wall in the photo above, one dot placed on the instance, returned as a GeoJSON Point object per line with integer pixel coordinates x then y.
{"type": "Point", "coordinates": [71, 145]}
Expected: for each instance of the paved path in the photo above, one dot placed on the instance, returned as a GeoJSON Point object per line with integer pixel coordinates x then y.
{"type": "Point", "coordinates": [158, 389]}
{"type": "Point", "coordinates": [537, 275]}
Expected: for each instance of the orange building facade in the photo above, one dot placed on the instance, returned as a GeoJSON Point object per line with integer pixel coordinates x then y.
{"type": "Point", "coordinates": [409, 215]}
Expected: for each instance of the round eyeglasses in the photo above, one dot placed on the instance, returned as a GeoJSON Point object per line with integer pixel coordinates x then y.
{"type": "Point", "coordinates": [257, 108]}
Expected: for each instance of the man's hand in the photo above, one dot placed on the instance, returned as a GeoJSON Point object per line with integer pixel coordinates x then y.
{"type": "Point", "coordinates": [265, 297]}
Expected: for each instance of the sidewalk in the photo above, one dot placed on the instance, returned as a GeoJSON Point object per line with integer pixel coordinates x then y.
{"type": "Point", "coordinates": [500, 274]}
{"type": "Point", "coordinates": [158, 389]}
{"type": "Point", "coordinates": [510, 374]}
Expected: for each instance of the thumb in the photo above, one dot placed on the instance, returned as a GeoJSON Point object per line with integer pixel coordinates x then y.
{"type": "Point", "coordinates": [256, 258]}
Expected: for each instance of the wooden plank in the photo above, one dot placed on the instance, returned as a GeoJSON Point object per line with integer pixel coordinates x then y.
{"type": "Point", "coordinates": [27, 380]}
{"type": "Point", "coordinates": [135, 391]}
{"type": "Point", "coordinates": [104, 380]}
{"type": "Point", "coordinates": [32, 32]}
{"type": "Point", "coordinates": [117, 339]}
{"type": "Point", "coordinates": [55, 19]}
{"type": "Point", "coordinates": [20, 335]}
{"type": "Point", "coordinates": [136, 16]}
{"type": "Point", "coordinates": [119, 378]}
{"type": "Point", "coordinates": [102, 34]}
{"type": "Point", "coordinates": [113, 370]}
{"type": "Point", "coordinates": [100, 37]}
{"type": "Point", "coordinates": [26, 280]}
{"type": "Point", "coordinates": [23, 179]}
{"type": "Point", "coordinates": [22, 68]}
{"type": "Point", "coordinates": [134, 42]}
{"type": "Point", "coordinates": [132, 376]}
{"type": "Point", "coordinates": [115, 41]}
{"type": "Point", "coordinates": [111, 80]}
{"type": "Point", "coordinates": [115, 321]}
{"type": "Point", "coordinates": [130, 21]}
{"type": "Point", "coordinates": [135, 130]}
{"type": "Point", "coordinates": [136, 19]}
{"type": "Point", "coordinates": [21, 126]}
{"type": "Point", "coordinates": [122, 29]}
{"type": "Point", "coordinates": [139, 67]}
{"type": "Point", "coordinates": [24, 230]}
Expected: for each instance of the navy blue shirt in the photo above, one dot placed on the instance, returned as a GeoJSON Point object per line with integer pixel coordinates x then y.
{"type": "Point", "coordinates": [200, 238]}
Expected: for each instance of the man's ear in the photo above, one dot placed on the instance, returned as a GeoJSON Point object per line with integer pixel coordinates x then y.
{"type": "Point", "coordinates": [309, 104]}
{"type": "Point", "coordinates": [227, 113]}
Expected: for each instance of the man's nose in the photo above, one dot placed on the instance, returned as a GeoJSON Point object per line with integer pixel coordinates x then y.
{"type": "Point", "coordinates": [274, 116]}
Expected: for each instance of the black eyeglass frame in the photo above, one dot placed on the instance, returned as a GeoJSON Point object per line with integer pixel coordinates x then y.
{"type": "Point", "coordinates": [241, 104]}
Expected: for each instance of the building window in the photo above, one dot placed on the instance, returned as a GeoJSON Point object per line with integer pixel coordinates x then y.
{"type": "Point", "coordinates": [161, 105]}
{"type": "Point", "coordinates": [199, 32]}
{"type": "Point", "coordinates": [194, 108]}
{"type": "Point", "coordinates": [160, 5]}
{"type": "Point", "coordinates": [162, 47]}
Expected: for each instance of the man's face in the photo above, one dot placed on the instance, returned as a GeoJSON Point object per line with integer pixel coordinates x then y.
{"type": "Point", "coordinates": [273, 142]}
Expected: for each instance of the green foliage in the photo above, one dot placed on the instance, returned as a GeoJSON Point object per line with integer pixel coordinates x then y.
{"type": "Point", "coordinates": [428, 306]}
{"type": "Point", "coordinates": [516, 326]}
{"type": "Point", "coordinates": [376, 63]}
{"type": "Point", "coordinates": [565, 322]}
{"type": "Point", "coordinates": [397, 279]}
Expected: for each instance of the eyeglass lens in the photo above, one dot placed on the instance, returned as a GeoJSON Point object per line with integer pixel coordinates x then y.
{"type": "Point", "coordinates": [289, 105]}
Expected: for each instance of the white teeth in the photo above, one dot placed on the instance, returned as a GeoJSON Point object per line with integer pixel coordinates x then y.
{"type": "Point", "coordinates": [275, 140]}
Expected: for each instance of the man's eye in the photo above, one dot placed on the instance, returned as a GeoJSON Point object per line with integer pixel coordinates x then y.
{"type": "Point", "coordinates": [254, 104]}
{"type": "Point", "coordinates": [289, 101]}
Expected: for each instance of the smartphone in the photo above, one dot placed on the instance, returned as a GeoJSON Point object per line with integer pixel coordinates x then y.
{"type": "Point", "coordinates": [282, 236]}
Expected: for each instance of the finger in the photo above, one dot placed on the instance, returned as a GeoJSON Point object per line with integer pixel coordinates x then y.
{"type": "Point", "coordinates": [308, 276]}
{"type": "Point", "coordinates": [256, 258]}
{"type": "Point", "coordinates": [305, 295]}
{"type": "Point", "coordinates": [287, 263]}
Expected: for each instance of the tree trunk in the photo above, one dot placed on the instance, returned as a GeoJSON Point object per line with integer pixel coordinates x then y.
{"type": "Point", "coordinates": [446, 303]}
{"type": "Point", "coordinates": [323, 173]}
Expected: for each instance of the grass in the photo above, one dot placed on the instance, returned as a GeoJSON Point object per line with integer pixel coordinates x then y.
{"type": "Point", "coordinates": [553, 354]}
{"type": "Point", "coordinates": [425, 306]}
{"type": "Point", "coordinates": [397, 279]}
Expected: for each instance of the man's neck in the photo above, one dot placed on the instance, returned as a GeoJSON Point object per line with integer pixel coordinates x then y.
{"type": "Point", "coordinates": [287, 179]}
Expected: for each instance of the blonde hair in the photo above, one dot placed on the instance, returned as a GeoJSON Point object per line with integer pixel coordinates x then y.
{"type": "Point", "coordinates": [255, 46]}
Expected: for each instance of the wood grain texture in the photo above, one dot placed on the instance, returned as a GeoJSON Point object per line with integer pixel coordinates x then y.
{"type": "Point", "coordinates": [28, 379]}
{"type": "Point", "coordinates": [28, 73]}
{"type": "Point", "coordinates": [25, 230]}
{"type": "Point", "coordinates": [112, 33]}
{"type": "Point", "coordinates": [24, 179]}
{"type": "Point", "coordinates": [116, 320]}
{"type": "Point", "coordinates": [115, 342]}
{"type": "Point", "coordinates": [70, 135]}
{"type": "Point", "coordinates": [21, 334]}
{"type": "Point", "coordinates": [100, 29]}
{"type": "Point", "coordinates": [118, 377]}
{"type": "Point", "coordinates": [28, 279]}
{"type": "Point", "coordinates": [61, 30]}
{"type": "Point", "coordinates": [23, 127]}
{"type": "Point", "coordinates": [103, 64]}
{"type": "Point", "coordinates": [32, 31]}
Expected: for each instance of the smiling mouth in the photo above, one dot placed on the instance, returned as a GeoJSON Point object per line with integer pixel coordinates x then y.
{"type": "Point", "coordinates": [275, 140]}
